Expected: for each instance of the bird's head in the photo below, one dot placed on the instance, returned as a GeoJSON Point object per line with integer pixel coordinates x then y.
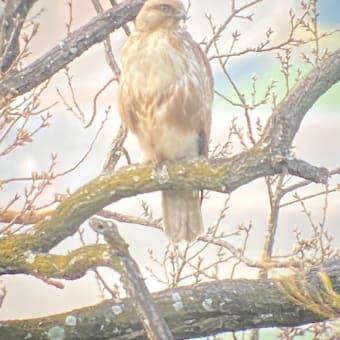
{"type": "Point", "coordinates": [160, 14]}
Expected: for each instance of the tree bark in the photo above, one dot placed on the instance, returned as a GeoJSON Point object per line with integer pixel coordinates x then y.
{"type": "Point", "coordinates": [198, 310]}
{"type": "Point", "coordinates": [154, 324]}
{"type": "Point", "coordinates": [11, 24]}
{"type": "Point", "coordinates": [70, 48]}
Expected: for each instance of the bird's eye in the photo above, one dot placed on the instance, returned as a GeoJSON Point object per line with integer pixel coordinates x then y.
{"type": "Point", "coordinates": [165, 8]}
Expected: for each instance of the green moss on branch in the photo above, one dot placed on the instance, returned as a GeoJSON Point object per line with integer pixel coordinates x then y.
{"type": "Point", "coordinates": [71, 266]}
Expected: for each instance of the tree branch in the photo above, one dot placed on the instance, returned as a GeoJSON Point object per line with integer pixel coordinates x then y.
{"type": "Point", "coordinates": [70, 48]}
{"type": "Point", "coordinates": [154, 324]}
{"type": "Point", "coordinates": [11, 23]}
{"type": "Point", "coordinates": [223, 175]}
{"type": "Point", "coordinates": [28, 217]}
{"type": "Point", "coordinates": [285, 121]}
{"type": "Point", "coordinates": [69, 267]}
{"type": "Point", "coordinates": [203, 309]}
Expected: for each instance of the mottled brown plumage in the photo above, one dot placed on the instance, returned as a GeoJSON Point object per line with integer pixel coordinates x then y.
{"type": "Point", "coordinates": [166, 94]}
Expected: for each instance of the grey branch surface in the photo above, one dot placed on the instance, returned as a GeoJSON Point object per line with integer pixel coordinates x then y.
{"type": "Point", "coordinates": [224, 175]}
{"type": "Point", "coordinates": [191, 311]}
{"type": "Point", "coordinates": [153, 322]}
{"type": "Point", "coordinates": [70, 48]}
{"type": "Point", "coordinates": [286, 119]}
{"type": "Point", "coordinates": [11, 24]}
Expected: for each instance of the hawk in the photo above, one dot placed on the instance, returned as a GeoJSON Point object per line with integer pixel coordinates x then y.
{"type": "Point", "coordinates": [165, 99]}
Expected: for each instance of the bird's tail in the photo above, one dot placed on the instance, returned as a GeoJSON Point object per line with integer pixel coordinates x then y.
{"type": "Point", "coordinates": [182, 217]}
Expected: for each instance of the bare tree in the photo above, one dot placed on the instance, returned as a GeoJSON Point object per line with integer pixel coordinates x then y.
{"type": "Point", "coordinates": [204, 293]}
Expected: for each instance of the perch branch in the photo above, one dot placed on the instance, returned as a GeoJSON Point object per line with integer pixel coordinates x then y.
{"type": "Point", "coordinates": [223, 175]}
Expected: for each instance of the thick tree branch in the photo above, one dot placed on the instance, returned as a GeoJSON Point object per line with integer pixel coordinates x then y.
{"type": "Point", "coordinates": [203, 309]}
{"type": "Point", "coordinates": [224, 175]}
{"type": "Point", "coordinates": [11, 25]}
{"type": "Point", "coordinates": [302, 169]}
{"type": "Point", "coordinates": [70, 48]}
{"type": "Point", "coordinates": [72, 266]}
{"type": "Point", "coordinates": [287, 117]}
